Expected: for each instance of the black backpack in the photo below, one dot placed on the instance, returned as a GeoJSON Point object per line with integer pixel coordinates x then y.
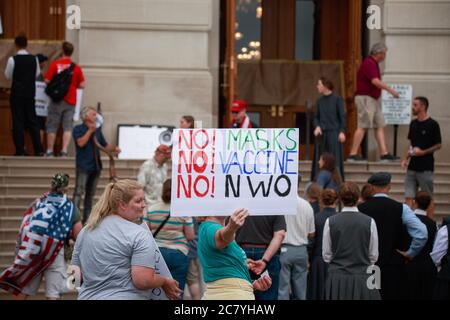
{"type": "Point", "coordinates": [60, 83]}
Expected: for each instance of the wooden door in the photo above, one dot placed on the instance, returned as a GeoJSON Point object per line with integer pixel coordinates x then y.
{"type": "Point", "coordinates": [277, 116]}
{"type": "Point", "coordinates": [340, 29]}
{"type": "Point", "coordinates": [39, 20]}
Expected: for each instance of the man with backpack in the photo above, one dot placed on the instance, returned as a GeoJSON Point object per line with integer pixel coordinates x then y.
{"type": "Point", "coordinates": [63, 79]}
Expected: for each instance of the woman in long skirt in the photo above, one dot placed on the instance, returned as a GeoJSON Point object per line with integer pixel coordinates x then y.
{"type": "Point", "coordinates": [319, 268]}
{"type": "Point", "coordinates": [350, 246]}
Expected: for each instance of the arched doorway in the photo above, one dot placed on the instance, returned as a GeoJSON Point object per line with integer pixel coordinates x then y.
{"type": "Point", "coordinates": [291, 30]}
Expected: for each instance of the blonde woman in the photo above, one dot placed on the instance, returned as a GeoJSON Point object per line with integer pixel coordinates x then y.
{"type": "Point", "coordinates": [223, 261]}
{"type": "Point", "coordinates": [114, 253]}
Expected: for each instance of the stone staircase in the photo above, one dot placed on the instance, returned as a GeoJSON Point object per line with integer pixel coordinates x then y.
{"type": "Point", "coordinates": [25, 178]}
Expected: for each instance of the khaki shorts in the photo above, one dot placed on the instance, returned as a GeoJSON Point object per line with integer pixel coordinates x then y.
{"type": "Point", "coordinates": [370, 114]}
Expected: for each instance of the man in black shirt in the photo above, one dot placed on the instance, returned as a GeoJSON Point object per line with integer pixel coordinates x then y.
{"type": "Point", "coordinates": [425, 138]}
{"type": "Point", "coordinates": [261, 238]}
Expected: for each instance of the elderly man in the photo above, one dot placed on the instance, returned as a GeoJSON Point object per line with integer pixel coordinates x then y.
{"type": "Point", "coordinates": [153, 173]}
{"type": "Point", "coordinates": [88, 140]}
{"type": "Point", "coordinates": [368, 92]}
{"type": "Point", "coordinates": [394, 221]}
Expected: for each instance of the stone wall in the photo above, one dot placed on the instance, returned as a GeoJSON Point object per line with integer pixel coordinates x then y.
{"type": "Point", "coordinates": [149, 61]}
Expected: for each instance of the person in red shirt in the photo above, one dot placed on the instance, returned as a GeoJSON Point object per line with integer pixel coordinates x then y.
{"type": "Point", "coordinates": [240, 117]}
{"type": "Point", "coordinates": [368, 92]}
{"type": "Point", "coordinates": [64, 110]}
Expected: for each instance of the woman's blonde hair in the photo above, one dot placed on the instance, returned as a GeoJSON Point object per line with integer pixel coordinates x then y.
{"type": "Point", "coordinates": [115, 192]}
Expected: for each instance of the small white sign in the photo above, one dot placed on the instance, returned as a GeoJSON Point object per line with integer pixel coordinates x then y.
{"type": "Point", "coordinates": [140, 142]}
{"type": "Point", "coordinates": [42, 100]}
{"type": "Point", "coordinates": [397, 111]}
{"type": "Point", "coordinates": [76, 115]}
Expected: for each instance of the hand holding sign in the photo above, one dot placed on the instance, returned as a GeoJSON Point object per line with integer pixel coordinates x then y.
{"type": "Point", "coordinates": [237, 219]}
{"type": "Point", "coordinates": [394, 93]}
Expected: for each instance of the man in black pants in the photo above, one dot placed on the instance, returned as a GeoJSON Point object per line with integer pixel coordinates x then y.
{"type": "Point", "coordinates": [23, 69]}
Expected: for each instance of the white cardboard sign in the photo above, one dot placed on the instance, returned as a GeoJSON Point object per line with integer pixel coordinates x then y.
{"type": "Point", "coordinates": [216, 171]}
{"type": "Point", "coordinates": [397, 111]}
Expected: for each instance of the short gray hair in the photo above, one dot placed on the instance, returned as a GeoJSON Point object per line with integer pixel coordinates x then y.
{"type": "Point", "coordinates": [85, 111]}
{"type": "Point", "coordinates": [378, 48]}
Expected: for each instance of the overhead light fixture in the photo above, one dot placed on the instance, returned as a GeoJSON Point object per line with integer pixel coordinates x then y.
{"type": "Point", "coordinates": [259, 12]}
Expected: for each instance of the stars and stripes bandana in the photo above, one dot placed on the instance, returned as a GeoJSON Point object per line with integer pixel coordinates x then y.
{"type": "Point", "coordinates": [45, 226]}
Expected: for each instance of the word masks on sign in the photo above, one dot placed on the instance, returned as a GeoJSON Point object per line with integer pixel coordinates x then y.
{"type": "Point", "coordinates": [216, 171]}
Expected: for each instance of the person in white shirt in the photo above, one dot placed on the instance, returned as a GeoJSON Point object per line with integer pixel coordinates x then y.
{"type": "Point", "coordinates": [294, 253]}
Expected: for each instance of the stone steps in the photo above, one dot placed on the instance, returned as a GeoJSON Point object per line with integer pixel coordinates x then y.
{"type": "Point", "coordinates": [23, 179]}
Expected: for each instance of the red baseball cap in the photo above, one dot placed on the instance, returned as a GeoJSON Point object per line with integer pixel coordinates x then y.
{"type": "Point", "coordinates": [166, 150]}
{"type": "Point", "coordinates": [238, 105]}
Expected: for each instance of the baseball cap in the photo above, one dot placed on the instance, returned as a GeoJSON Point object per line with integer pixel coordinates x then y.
{"type": "Point", "coordinates": [238, 105]}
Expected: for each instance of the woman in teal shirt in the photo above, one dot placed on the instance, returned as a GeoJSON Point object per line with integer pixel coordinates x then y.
{"type": "Point", "coordinates": [223, 261]}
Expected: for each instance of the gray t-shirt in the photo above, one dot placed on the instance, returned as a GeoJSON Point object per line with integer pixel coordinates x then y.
{"type": "Point", "coordinates": [105, 256]}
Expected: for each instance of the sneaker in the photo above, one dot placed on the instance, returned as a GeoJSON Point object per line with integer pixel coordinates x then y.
{"type": "Point", "coordinates": [63, 154]}
{"type": "Point", "coordinates": [389, 157]}
{"type": "Point", "coordinates": [49, 154]}
{"type": "Point", "coordinates": [354, 157]}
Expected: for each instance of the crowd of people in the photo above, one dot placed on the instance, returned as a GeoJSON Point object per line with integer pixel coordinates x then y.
{"type": "Point", "coordinates": [343, 242]}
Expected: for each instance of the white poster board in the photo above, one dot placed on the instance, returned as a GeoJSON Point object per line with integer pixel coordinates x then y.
{"type": "Point", "coordinates": [216, 171]}
{"type": "Point", "coordinates": [76, 115]}
{"type": "Point", "coordinates": [42, 100]}
{"type": "Point", "coordinates": [140, 142]}
{"type": "Point", "coordinates": [397, 111]}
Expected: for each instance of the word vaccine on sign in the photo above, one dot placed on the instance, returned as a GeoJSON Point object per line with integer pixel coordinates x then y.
{"type": "Point", "coordinates": [215, 171]}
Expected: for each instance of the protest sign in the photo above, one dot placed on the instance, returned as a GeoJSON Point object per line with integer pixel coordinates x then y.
{"type": "Point", "coordinates": [76, 114]}
{"type": "Point", "coordinates": [216, 171]}
{"type": "Point", "coordinates": [397, 111]}
{"type": "Point", "coordinates": [42, 100]}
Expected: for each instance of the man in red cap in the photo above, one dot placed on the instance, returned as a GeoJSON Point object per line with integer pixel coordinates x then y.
{"type": "Point", "coordinates": [240, 118]}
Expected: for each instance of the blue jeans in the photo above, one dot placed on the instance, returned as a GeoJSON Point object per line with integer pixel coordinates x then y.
{"type": "Point", "coordinates": [178, 264]}
{"type": "Point", "coordinates": [274, 271]}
